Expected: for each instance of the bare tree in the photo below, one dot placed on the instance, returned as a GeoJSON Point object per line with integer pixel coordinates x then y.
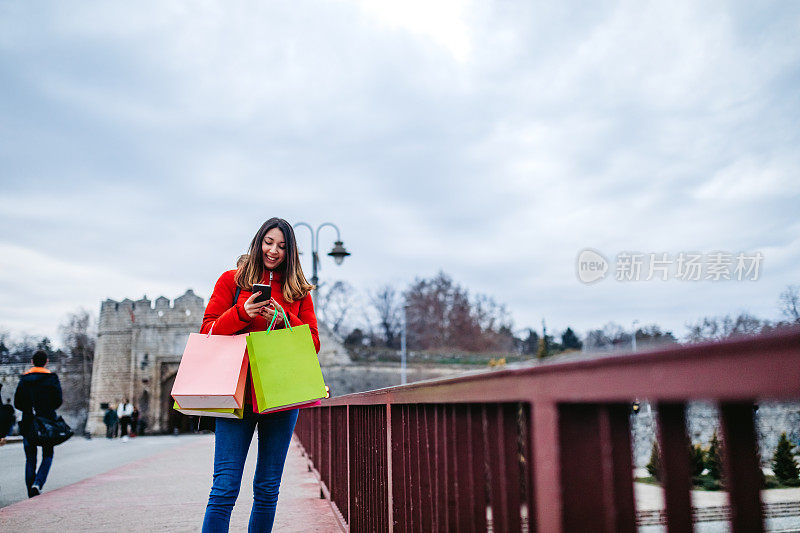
{"type": "Point", "coordinates": [494, 323]}
{"type": "Point", "coordinates": [790, 303]}
{"type": "Point", "coordinates": [723, 327]}
{"type": "Point", "coordinates": [745, 324]}
{"type": "Point", "coordinates": [612, 336]}
{"type": "Point", "coordinates": [22, 349]}
{"type": "Point", "coordinates": [707, 328]}
{"type": "Point", "coordinates": [334, 305]}
{"type": "Point", "coordinates": [652, 335]}
{"type": "Point", "coordinates": [595, 341]}
{"type": "Point", "coordinates": [79, 337]}
{"type": "Point", "coordinates": [429, 302]}
{"type": "Point", "coordinates": [441, 314]}
{"type": "Point", "coordinates": [5, 345]}
{"type": "Point", "coordinates": [388, 305]}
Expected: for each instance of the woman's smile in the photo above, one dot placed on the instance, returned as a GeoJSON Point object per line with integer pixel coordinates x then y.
{"type": "Point", "coordinates": [273, 248]}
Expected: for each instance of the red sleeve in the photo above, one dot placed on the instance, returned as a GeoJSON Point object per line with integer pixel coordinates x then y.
{"type": "Point", "coordinates": [305, 315]}
{"type": "Point", "coordinates": [226, 318]}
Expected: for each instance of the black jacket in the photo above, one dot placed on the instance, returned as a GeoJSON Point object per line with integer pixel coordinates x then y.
{"type": "Point", "coordinates": [37, 393]}
{"type": "Point", "coordinates": [7, 418]}
{"type": "Point", "coordinates": [110, 418]}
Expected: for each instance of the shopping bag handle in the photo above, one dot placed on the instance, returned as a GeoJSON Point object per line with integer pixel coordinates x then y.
{"type": "Point", "coordinates": [285, 321]}
{"type": "Point", "coordinates": [235, 299]}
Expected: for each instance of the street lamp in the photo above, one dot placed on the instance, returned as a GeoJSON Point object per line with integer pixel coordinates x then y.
{"type": "Point", "coordinates": [338, 252]}
{"type": "Point", "coordinates": [403, 346]}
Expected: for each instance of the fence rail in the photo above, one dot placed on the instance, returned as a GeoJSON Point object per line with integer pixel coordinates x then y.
{"type": "Point", "coordinates": [544, 448]}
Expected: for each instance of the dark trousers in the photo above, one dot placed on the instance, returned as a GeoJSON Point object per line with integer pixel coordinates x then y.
{"type": "Point", "coordinates": [124, 422]}
{"type": "Point", "coordinates": [231, 442]}
{"type": "Point", "coordinates": [32, 476]}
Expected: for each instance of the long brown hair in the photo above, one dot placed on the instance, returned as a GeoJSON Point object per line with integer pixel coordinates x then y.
{"type": "Point", "coordinates": [250, 268]}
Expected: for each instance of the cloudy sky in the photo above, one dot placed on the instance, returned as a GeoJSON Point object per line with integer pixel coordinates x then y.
{"type": "Point", "coordinates": [142, 144]}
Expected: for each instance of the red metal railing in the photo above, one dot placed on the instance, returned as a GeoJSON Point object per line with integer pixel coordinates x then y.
{"type": "Point", "coordinates": [544, 448]}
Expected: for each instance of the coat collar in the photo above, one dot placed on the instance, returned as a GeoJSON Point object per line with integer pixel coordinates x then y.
{"type": "Point", "coordinates": [277, 276]}
{"type": "Point", "coordinates": [37, 370]}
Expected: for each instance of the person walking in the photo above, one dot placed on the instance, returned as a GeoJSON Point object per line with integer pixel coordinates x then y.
{"type": "Point", "coordinates": [110, 419]}
{"type": "Point", "coordinates": [124, 412]}
{"type": "Point", "coordinates": [273, 259]}
{"type": "Point", "coordinates": [39, 394]}
{"type": "Point", "coordinates": [7, 418]}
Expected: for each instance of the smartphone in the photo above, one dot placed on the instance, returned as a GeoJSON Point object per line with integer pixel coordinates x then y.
{"type": "Point", "coordinates": [266, 292]}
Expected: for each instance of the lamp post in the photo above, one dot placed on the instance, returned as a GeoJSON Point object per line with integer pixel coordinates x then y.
{"type": "Point", "coordinates": [338, 252]}
{"type": "Point", "coordinates": [403, 345]}
{"type": "Point", "coordinates": [633, 334]}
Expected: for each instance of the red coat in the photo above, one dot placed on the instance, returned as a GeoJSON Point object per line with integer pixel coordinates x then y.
{"type": "Point", "coordinates": [228, 319]}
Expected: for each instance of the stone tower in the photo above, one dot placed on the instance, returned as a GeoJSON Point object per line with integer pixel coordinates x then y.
{"type": "Point", "coordinates": [139, 348]}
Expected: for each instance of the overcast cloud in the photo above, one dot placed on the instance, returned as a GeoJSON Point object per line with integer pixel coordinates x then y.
{"type": "Point", "coordinates": [142, 144]}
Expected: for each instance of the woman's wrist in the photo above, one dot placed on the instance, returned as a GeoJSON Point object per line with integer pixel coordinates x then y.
{"type": "Point", "coordinates": [242, 313]}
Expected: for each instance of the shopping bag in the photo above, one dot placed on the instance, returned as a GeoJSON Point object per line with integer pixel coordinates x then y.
{"type": "Point", "coordinates": [212, 373]}
{"type": "Point", "coordinates": [254, 401]}
{"type": "Point", "coordinates": [216, 413]}
{"type": "Point", "coordinates": [284, 367]}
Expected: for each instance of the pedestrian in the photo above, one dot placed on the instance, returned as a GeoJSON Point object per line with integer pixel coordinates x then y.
{"type": "Point", "coordinates": [38, 393]}
{"type": "Point", "coordinates": [142, 424]}
{"type": "Point", "coordinates": [134, 421]}
{"type": "Point", "coordinates": [110, 419]}
{"type": "Point", "coordinates": [124, 412]}
{"type": "Point", "coordinates": [272, 259]}
{"type": "Point", "coordinates": [7, 418]}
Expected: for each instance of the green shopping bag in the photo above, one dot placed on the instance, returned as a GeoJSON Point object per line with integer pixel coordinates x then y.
{"type": "Point", "coordinates": [284, 367]}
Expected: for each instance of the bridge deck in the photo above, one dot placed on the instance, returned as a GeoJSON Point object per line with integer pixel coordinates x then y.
{"type": "Point", "coordinates": [167, 492]}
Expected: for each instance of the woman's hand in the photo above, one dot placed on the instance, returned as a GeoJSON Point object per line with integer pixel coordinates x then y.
{"type": "Point", "coordinates": [270, 310]}
{"type": "Point", "coordinates": [253, 309]}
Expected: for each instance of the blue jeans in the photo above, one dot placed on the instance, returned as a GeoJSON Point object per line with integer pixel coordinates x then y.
{"type": "Point", "coordinates": [231, 443]}
{"type": "Point", "coordinates": [32, 477]}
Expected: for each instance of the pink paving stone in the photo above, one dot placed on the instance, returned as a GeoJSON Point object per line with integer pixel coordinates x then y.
{"type": "Point", "coordinates": [168, 492]}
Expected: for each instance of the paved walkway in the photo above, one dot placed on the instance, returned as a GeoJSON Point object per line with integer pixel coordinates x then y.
{"type": "Point", "coordinates": [712, 509]}
{"type": "Point", "coordinates": [168, 492]}
{"type": "Point", "coordinates": [652, 497]}
{"type": "Point", "coordinates": [79, 459]}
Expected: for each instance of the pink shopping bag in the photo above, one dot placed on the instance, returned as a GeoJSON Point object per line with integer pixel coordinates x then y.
{"type": "Point", "coordinates": [212, 373]}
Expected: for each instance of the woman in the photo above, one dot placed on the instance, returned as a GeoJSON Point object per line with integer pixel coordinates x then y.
{"type": "Point", "coordinates": [272, 259]}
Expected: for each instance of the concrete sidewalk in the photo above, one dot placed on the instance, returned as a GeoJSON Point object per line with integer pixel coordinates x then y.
{"type": "Point", "coordinates": [168, 492]}
{"type": "Point", "coordinates": [649, 497]}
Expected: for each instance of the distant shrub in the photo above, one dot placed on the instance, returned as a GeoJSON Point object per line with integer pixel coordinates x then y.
{"type": "Point", "coordinates": [784, 465]}
{"type": "Point", "coordinates": [713, 459]}
{"type": "Point", "coordinates": [698, 459]}
{"type": "Point", "coordinates": [654, 466]}
{"type": "Point", "coordinates": [708, 483]}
